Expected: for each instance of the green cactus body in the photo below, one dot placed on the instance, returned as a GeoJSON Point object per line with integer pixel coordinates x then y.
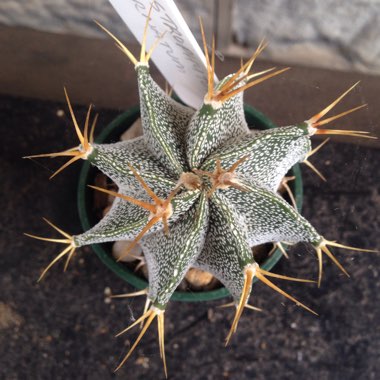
{"type": "Point", "coordinates": [199, 189]}
{"type": "Point", "coordinates": [238, 219]}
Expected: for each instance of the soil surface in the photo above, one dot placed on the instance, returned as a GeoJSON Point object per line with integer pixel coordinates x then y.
{"type": "Point", "coordinates": [64, 326]}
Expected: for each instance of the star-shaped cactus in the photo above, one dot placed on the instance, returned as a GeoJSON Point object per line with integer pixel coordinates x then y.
{"type": "Point", "coordinates": [200, 189]}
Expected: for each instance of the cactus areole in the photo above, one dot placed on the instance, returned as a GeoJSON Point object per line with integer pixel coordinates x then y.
{"type": "Point", "coordinates": [200, 189]}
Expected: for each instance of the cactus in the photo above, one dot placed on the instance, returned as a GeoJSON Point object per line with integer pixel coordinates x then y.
{"type": "Point", "coordinates": [199, 188]}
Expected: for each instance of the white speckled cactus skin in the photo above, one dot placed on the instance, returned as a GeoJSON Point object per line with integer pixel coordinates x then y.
{"type": "Point", "coordinates": [200, 226]}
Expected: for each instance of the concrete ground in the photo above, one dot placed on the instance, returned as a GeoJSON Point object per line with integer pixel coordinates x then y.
{"type": "Point", "coordinates": [62, 328]}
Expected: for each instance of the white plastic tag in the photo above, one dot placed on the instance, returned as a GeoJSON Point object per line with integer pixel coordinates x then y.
{"type": "Point", "coordinates": [178, 56]}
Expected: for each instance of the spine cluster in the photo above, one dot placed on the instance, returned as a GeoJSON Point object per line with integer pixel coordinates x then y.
{"type": "Point", "coordinates": [200, 188]}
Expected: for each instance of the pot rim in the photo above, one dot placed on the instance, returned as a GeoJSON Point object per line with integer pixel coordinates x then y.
{"type": "Point", "coordinates": [125, 120]}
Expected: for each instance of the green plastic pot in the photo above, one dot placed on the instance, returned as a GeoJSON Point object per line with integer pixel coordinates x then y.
{"type": "Point", "coordinates": [87, 216]}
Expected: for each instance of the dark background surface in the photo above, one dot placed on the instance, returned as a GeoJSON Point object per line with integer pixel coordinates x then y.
{"type": "Point", "coordinates": [62, 328]}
